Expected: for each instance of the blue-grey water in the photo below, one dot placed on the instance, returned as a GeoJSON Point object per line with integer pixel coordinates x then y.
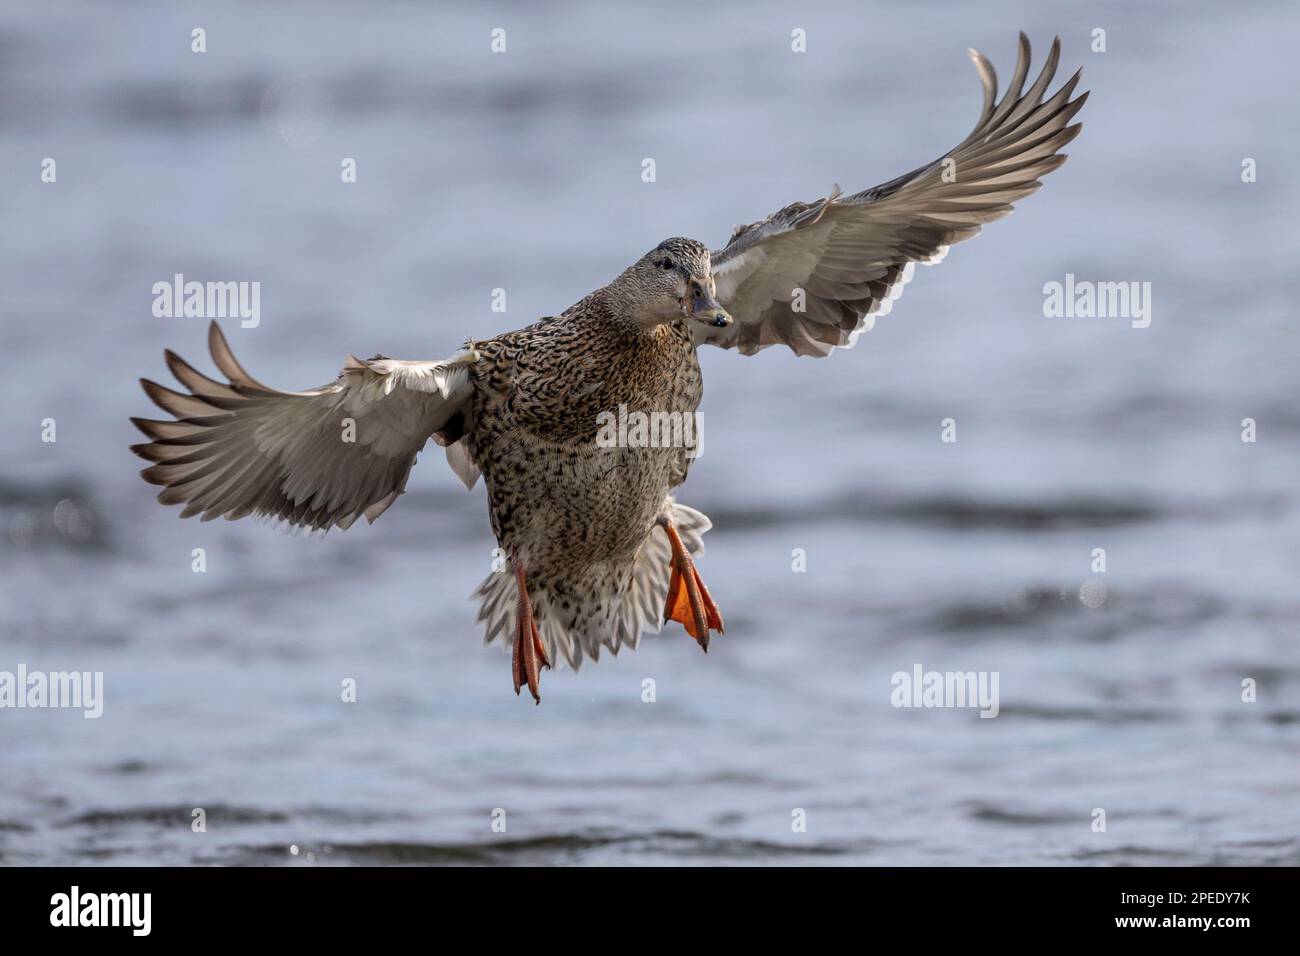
{"type": "Point", "coordinates": [1119, 690]}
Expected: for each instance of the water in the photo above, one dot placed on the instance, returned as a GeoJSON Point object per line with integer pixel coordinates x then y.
{"type": "Point", "coordinates": [522, 172]}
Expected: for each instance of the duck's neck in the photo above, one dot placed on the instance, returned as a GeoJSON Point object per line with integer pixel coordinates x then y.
{"type": "Point", "coordinates": [623, 300]}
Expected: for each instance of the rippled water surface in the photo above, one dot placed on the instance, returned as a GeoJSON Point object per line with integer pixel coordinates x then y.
{"type": "Point", "coordinates": [1120, 691]}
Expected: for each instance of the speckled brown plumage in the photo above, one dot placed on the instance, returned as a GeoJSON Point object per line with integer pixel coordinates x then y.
{"type": "Point", "coordinates": [573, 513]}
{"type": "Point", "coordinates": [596, 551]}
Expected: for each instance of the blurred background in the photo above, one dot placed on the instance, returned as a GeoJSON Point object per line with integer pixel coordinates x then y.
{"type": "Point", "coordinates": [1119, 690]}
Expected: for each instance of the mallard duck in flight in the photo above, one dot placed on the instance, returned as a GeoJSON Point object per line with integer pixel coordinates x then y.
{"type": "Point", "coordinates": [596, 551]}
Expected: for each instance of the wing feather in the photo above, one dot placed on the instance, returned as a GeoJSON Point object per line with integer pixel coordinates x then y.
{"type": "Point", "coordinates": [848, 257]}
{"type": "Point", "coordinates": [239, 447]}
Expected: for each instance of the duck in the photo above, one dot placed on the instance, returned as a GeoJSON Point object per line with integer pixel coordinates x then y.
{"type": "Point", "coordinates": [594, 548]}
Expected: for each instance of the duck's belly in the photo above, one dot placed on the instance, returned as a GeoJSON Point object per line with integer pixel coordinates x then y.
{"type": "Point", "coordinates": [579, 453]}
{"type": "Point", "coordinates": [564, 510]}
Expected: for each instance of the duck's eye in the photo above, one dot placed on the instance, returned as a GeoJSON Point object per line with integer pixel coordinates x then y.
{"type": "Point", "coordinates": [667, 263]}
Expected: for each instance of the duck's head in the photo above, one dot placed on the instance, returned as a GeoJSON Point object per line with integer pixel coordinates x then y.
{"type": "Point", "coordinates": [674, 279]}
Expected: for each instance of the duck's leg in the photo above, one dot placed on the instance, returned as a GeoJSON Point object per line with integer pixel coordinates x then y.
{"type": "Point", "coordinates": [688, 599]}
{"type": "Point", "coordinates": [529, 651]}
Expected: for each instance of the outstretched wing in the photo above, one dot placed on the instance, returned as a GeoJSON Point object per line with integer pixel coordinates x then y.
{"type": "Point", "coordinates": [316, 459]}
{"type": "Point", "coordinates": [810, 275]}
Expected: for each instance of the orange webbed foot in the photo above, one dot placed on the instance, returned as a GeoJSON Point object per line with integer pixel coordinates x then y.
{"type": "Point", "coordinates": [529, 651]}
{"type": "Point", "coordinates": [689, 601]}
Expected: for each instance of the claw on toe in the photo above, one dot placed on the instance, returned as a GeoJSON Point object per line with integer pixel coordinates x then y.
{"type": "Point", "coordinates": [689, 601]}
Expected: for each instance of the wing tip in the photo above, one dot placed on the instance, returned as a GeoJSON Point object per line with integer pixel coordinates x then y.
{"type": "Point", "coordinates": [146, 427]}
{"type": "Point", "coordinates": [150, 474]}
{"type": "Point", "coordinates": [179, 367]}
{"type": "Point", "coordinates": [144, 450]}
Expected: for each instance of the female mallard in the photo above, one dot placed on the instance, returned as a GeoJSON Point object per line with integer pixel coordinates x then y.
{"type": "Point", "coordinates": [594, 542]}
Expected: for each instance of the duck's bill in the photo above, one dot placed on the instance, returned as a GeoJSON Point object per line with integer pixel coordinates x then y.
{"type": "Point", "coordinates": [718, 318]}
{"type": "Point", "coordinates": [703, 307]}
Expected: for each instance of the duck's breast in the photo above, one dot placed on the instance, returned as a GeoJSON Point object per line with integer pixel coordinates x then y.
{"type": "Point", "coordinates": [581, 452]}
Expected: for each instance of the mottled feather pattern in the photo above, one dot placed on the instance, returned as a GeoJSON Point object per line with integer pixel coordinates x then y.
{"type": "Point", "coordinates": [629, 601]}
{"type": "Point", "coordinates": [523, 409]}
{"type": "Point", "coordinates": [575, 514]}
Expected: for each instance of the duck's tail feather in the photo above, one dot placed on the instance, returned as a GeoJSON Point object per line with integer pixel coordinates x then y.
{"type": "Point", "coordinates": [608, 607]}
